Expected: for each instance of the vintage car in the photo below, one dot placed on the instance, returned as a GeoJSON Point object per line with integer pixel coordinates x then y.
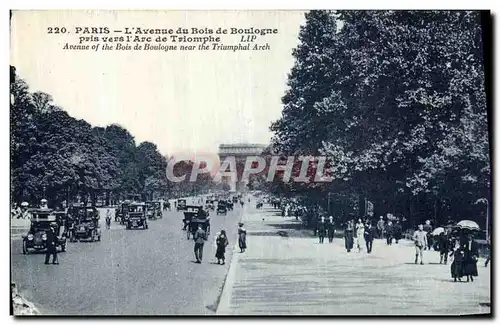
{"type": "Point", "coordinates": [193, 216]}
{"type": "Point", "coordinates": [121, 212]}
{"type": "Point", "coordinates": [181, 204]}
{"type": "Point", "coordinates": [137, 216]}
{"type": "Point", "coordinates": [85, 224]}
{"type": "Point", "coordinates": [36, 237]}
{"type": "Point", "coordinates": [221, 208]}
{"type": "Point", "coordinates": [153, 210]}
{"type": "Point", "coordinates": [229, 205]}
{"type": "Point", "coordinates": [210, 204]}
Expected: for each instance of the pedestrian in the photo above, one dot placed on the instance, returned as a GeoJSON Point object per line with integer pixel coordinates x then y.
{"type": "Point", "coordinates": [51, 244]}
{"type": "Point", "coordinates": [221, 243]}
{"type": "Point", "coordinates": [369, 235]}
{"type": "Point", "coordinates": [470, 259]}
{"type": "Point", "coordinates": [349, 235]}
{"type": "Point", "coordinates": [420, 240]}
{"type": "Point", "coordinates": [457, 266]}
{"type": "Point", "coordinates": [428, 230]}
{"type": "Point", "coordinates": [321, 230]}
{"type": "Point", "coordinates": [381, 227]}
{"type": "Point", "coordinates": [444, 248]}
{"type": "Point", "coordinates": [331, 229]}
{"type": "Point", "coordinates": [199, 241]}
{"type": "Point", "coordinates": [242, 237]}
{"type": "Point", "coordinates": [397, 231]}
{"type": "Point", "coordinates": [389, 232]}
{"type": "Point", "coordinates": [44, 204]}
{"type": "Point", "coordinates": [360, 235]}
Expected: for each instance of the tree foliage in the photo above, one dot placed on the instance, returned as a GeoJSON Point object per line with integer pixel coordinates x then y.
{"type": "Point", "coordinates": [396, 100]}
{"type": "Point", "coordinates": [56, 156]}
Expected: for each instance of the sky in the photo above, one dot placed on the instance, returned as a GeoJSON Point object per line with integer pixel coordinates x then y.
{"type": "Point", "coordinates": [183, 101]}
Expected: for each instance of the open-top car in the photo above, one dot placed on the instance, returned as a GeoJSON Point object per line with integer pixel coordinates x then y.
{"type": "Point", "coordinates": [195, 215]}
{"type": "Point", "coordinates": [137, 216]}
{"type": "Point", "coordinates": [36, 238]}
{"type": "Point", "coordinates": [153, 210]}
{"type": "Point", "coordinates": [85, 224]}
{"type": "Point", "coordinates": [181, 204]}
{"type": "Point", "coordinates": [221, 208]}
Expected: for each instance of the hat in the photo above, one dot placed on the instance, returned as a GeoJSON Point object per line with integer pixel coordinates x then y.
{"type": "Point", "coordinates": [53, 224]}
{"type": "Point", "coordinates": [420, 226]}
{"type": "Point", "coordinates": [43, 200]}
{"type": "Point", "coordinates": [240, 224]}
{"type": "Point", "coordinates": [24, 204]}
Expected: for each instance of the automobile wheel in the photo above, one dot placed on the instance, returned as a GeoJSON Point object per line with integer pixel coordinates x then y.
{"type": "Point", "coordinates": [25, 247]}
{"type": "Point", "coordinates": [99, 238]}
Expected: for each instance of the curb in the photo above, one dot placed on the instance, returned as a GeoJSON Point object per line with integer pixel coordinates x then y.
{"type": "Point", "coordinates": [223, 308]}
{"type": "Point", "coordinates": [227, 290]}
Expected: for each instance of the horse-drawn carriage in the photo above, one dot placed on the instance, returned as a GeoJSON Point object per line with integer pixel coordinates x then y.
{"type": "Point", "coordinates": [193, 217]}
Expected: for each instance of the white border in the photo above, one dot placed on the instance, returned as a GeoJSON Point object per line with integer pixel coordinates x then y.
{"type": "Point", "coordinates": [186, 4]}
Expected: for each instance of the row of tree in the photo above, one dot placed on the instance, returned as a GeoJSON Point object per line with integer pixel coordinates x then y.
{"type": "Point", "coordinates": [60, 158]}
{"type": "Point", "coordinates": [396, 100]}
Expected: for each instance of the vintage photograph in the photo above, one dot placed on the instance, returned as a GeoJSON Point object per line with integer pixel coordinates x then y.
{"type": "Point", "coordinates": [242, 163]}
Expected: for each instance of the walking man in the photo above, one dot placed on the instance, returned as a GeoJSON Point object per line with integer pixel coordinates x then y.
{"type": "Point", "coordinates": [380, 227]}
{"type": "Point", "coordinates": [420, 239]}
{"type": "Point", "coordinates": [199, 241]}
{"type": "Point", "coordinates": [428, 231]}
{"type": "Point", "coordinates": [331, 229]}
{"type": "Point", "coordinates": [322, 230]}
{"type": "Point", "coordinates": [51, 244]}
{"type": "Point", "coordinates": [369, 235]}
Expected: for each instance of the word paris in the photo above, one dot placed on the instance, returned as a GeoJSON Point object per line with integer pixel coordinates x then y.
{"type": "Point", "coordinates": [254, 165]}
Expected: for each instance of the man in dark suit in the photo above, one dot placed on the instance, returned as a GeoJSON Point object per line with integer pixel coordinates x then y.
{"type": "Point", "coordinates": [199, 241]}
{"type": "Point", "coordinates": [51, 244]}
{"type": "Point", "coordinates": [369, 235]}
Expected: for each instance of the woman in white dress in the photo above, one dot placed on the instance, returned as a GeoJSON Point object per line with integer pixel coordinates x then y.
{"type": "Point", "coordinates": [360, 232]}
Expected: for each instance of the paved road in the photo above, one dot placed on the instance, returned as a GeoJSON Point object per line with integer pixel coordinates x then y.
{"type": "Point", "coordinates": [295, 275]}
{"type": "Point", "coordinates": [130, 272]}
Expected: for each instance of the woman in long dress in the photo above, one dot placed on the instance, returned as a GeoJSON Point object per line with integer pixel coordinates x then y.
{"type": "Point", "coordinates": [360, 232]}
{"type": "Point", "coordinates": [242, 237]}
{"type": "Point", "coordinates": [221, 243]}
{"type": "Point", "coordinates": [457, 266]}
{"type": "Point", "coordinates": [349, 235]}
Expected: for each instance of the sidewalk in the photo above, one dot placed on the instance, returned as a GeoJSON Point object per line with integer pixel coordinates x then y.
{"type": "Point", "coordinates": [280, 275]}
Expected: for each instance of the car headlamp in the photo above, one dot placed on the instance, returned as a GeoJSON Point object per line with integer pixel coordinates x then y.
{"type": "Point", "coordinates": [44, 237]}
{"type": "Point", "coordinates": [30, 237]}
